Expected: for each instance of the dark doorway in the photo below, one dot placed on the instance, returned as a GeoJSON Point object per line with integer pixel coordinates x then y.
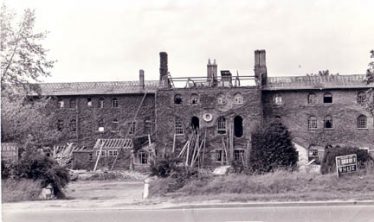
{"type": "Point", "coordinates": [238, 126]}
{"type": "Point", "coordinates": [195, 122]}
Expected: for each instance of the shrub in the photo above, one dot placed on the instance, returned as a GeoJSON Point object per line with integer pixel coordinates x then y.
{"type": "Point", "coordinates": [328, 163]}
{"type": "Point", "coordinates": [5, 170]}
{"type": "Point", "coordinates": [272, 149]}
{"type": "Point", "coordinates": [164, 167]}
{"type": "Point", "coordinates": [20, 190]}
{"type": "Point", "coordinates": [37, 166]}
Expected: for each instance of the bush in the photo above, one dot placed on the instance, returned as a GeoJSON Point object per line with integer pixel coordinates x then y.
{"type": "Point", "coordinates": [5, 170]}
{"type": "Point", "coordinates": [328, 163]}
{"type": "Point", "coordinates": [164, 167]}
{"type": "Point", "coordinates": [272, 149]}
{"type": "Point", "coordinates": [20, 190]}
{"type": "Point", "coordinates": [39, 167]}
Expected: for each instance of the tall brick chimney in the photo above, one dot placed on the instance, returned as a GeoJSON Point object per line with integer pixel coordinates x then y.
{"type": "Point", "coordinates": [212, 73]}
{"type": "Point", "coordinates": [260, 66]}
{"type": "Point", "coordinates": [163, 68]}
{"type": "Point", "coordinates": [141, 79]}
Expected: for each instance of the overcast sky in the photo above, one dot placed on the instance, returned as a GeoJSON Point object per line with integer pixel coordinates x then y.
{"type": "Point", "coordinates": [97, 40]}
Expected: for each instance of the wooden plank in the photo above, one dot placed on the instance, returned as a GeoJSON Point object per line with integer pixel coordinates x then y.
{"type": "Point", "coordinates": [174, 138]}
{"type": "Point", "coordinates": [98, 157]}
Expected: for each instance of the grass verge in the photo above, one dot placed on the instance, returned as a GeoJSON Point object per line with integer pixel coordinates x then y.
{"type": "Point", "coordinates": [20, 190]}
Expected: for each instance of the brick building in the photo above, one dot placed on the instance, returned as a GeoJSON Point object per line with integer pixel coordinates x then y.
{"type": "Point", "coordinates": [208, 120]}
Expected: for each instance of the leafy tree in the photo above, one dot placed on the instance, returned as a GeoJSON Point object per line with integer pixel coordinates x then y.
{"type": "Point", "coordinates": [369, 103]}
{"type": "Point", "coordinates": [272, 149]}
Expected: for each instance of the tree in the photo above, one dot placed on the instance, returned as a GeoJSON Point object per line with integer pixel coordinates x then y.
{"type": "Point", "coordinates": [369, 101]}
{"type": "Point", "coordinates": [23, 57]}
{"type": "Point", "coordinates": [272, 149]}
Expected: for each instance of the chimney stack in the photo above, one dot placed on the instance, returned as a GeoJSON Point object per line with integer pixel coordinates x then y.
{"type": "Point", "coordinates": [163, 68]}
{"type": "Point", "coordinates": [141, 79]}
{"type": "Point", "coordinates": [212, 72]}
{"type": "Point", "coordinates": [260, 66]}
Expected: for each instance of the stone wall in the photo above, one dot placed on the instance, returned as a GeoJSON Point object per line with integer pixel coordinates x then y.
{"type": "Point", "coordinates": [294, 112]}
{"type": "Point", "coordinates": [167, 111]}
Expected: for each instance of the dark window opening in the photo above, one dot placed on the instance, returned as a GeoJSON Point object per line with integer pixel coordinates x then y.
{"type": "Point", "coordinates": [327, 98]}
{"type": "Point", "coordinates": [311, 98]}
{"type": "Point", "coordinates": [361, 98]}
{"type": "Point", "coordinates": [132, 128]}
{"type": "Point", "coordinates": [219, 155]}
{"type": "Point", "coordinates": [178, 99]}
{"type": "Point", "coordinates": [101, 103]}
{"type": "Point", "coordinates": [73, 103]}
{"type": "Point", "coordinates": [238, 126]}
{"type": "Point", "coordinates": [362, 122]}
{"type": "Point", "coordinates": [195, 122]}
{"type": "Point", "coordinates": [60, 125]}
{"type": "Point", "coordinates": [73, 125]}
{"type": "Point", "coordinates": [89, 102]}
{"type": "Point", "coordinates": [239, 155]}
{"type": "Point", "coordinates": [194, 99]}
{"type": "Point", "coordinates": [328, 122]}
{"type": "Point", "coordinates": [221, 125]}
{"type": "Point", "coordinates": [114, 102]}
{"type": "Point", "coordinates": [115, 125]}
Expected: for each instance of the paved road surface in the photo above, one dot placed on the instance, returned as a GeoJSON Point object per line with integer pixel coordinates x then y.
{"type": "Point", "coordinates": [353, 213]}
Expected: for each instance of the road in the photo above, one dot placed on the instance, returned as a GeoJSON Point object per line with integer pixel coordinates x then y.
{"type": "Point", "coordinates": [350, 213]}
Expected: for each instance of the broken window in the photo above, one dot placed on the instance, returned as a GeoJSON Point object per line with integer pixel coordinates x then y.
{"type": "Point", "coordinates": [115, 125]}
{"type": "Point", "coordinates": [100, 125]}
{"type": "Point", "coordinates": [194, 99]}
{"type": "Point", "coordinates": [147, 125]}
{"type": "Point", "coordinates": [73, 103]}
{"type": "Point", "coordinates": [327, 98]}
{"type": "Point", "coordinates": [195, 122]}
{"type": "Point", "coordinates": [89, 102]}
{"type": "Point", "coordinates": [238, 98]}
{"type": "Point", "coordinates": [142, 157]}
{"type": "Point", "coordinates": [362, 122]}
{"type": "Point", "coordinates": [178, 99]}
{"type": "Point", "coordinates": [221, 125]}
{"type": "Point", "coordinates": [278, 99]}
{"type": "Point", "coordinates": [60, 103]}
{"type": "Point", "coordinates": [311, 98]}
{"type": "Point", "coordinates": [361, 98]}
{"type": "Point", "coordinates": [313, 154]}
{"type": "Point", "coordinates": [73, 125]}
{"type": "Point", "coordinates": [115, 103]}
{"type": "Point", "coordinates": [178, 126]}
{"type": "Point", "coordinates": [101, 103]}
{"type": "Point", "coordinates": [312, 122]}
{"type": "Point", "coordinates": [132, 128]}
{"type": "Point", "coordinates": [238, 126]}
{"type": "Point", "coordinates": [239, 155]}
{"type": "Point", "coordinates": [328, 122]}
{"type": "Point", "coordinates": [60, 124]}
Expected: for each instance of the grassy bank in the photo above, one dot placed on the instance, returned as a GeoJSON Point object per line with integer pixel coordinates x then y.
{"type": "Point", "coordinates": [20, 190]}
{"type": "Point", "coordinates": [279, 186]}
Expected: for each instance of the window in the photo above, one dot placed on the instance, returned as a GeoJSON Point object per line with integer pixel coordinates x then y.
{"type": "Point", "coordinates": [361, 97]}
{"type": "Point", "coordinates": [143, 157]}
{"type": "Point", "coordinates": [178, 99]}
{"type": "Point", "coordinates": [312, 98]}
{"type": "Point", "coordinates": [328, 122]}
{"type": "Point", "coordinates": [89, 102]}
{"type": "Point", "coordinates": [101, 103]}
{"type": "Point", "coordinates": [112, 153]}
{"type": "Point", "coordinates": [313, 154]}
{"type": "Point", "coordinates": [362, 122]}
{"type": "Point", "coordinates": [195, 123]}
{"type": "Point", "coordinates": [194, 99]}
{"type": "Point", "coordinates": [132, 128]}
{"type": "Point", "coordinates": [73, 125]}
{"type": "Point", "coordinates": [178, 126]}
{"type": "Point", "coordinates": [60, 124]}
{"type": "Point", "coordinates": [100, 125]}
{"type": "Point", "coordinates": [239, 155]}
{"type": "Point", "coordinates": [221, 99]}
{"type": "Point", "coordinates": [115, 103]}
{"type": "Point", "coordinates": [278, 100]}
{"type": "Point", "coordinates": [221, 125]}
{"type": "Point", "coordinates": [218, 155]}
{"type": "Point", "coordinates": [312, 122]}
{"type": "Point", "coordinates": [73, 103]}
{"type": "Point", "coordinates": [103, 153]}
{"type": "Point", "coordinates": [147, 125]}
{"type": "Point", "coordinates": [238, 126]}
{"type": "Point", "coordinates": [238, 98]}
{"type": "Point", "coordinates": [327, 98]}
{"type": "Point", "coordinates": [60, 103]}
{"type": "Point", "coordinates": [115, 125]}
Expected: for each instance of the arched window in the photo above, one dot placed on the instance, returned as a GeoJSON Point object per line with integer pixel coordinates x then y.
{"type": "Point", "coordinates": [178, 126]}
{"type": "Point", "coordinates": [361, 97]}
{"type": "Point", "coordinates": [101, 103]}
{"type": "Point", "coordinates": [327, 98]}
{"type": "Point", "coordinates": [73, 125]}
{"type": "Point", "coordinates": [221, 99]}
{"type": "Point", "coordinates": [362, 122]}
{"type": "Point", "coordinates": [178, 99]}
{"type": "Point", "coordinates": [115, 125]}
{"type": "Point", "coordinates": [194, 99]}
{"type": "Point", "coordinates": [115, 103]}
{"type": "Point", "coordinates": [73, 103]}
{"type": "Point", "coordinates": [195, 122]}
{"type": "Point", "coordinates": [238, 98]}
{"type": "Point", "coordinates": [221, 125]}
{"type": "Point", "coordinates": [238, 126]}
{"type": "Point", "coordinates": [312, 98]}
{"type": "Point", "coordinates": [312, 122]}
{"type": "Point", "coordinates": [328, 122]}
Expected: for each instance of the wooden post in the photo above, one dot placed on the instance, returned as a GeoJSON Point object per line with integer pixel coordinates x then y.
{"type": "Point", "coordinates": [98, 157]}
{"type": "Point", "coordinates": [173, 150]}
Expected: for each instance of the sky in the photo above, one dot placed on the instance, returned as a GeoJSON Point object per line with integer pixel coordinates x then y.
{"type": "Point", "coordinates": [97, 40]}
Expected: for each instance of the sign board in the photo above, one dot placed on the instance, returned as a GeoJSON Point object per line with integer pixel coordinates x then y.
{"type": "Point", "coordinates": [346, 164]}
{"type": "Point", "coordinates": [9, 151]}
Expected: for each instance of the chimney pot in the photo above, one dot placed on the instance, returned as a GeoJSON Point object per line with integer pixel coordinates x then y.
{"type": "Point", "coordinates": [141, 78]}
